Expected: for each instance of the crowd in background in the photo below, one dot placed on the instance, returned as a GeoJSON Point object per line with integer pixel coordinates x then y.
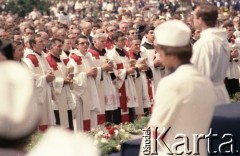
{"type": "Point", "coordinates": [101, 22]}
{"type": "Point", "coordinates": [95, 62]}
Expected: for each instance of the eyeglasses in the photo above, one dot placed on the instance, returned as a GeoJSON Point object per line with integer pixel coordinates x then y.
{"type": "Point", "coordinates": [82, 43]}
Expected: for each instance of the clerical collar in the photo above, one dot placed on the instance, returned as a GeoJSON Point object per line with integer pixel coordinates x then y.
{"type": "Point", "coordinates": [66, 52]}
{"type": "Point", "coordinates": [137, 55]}
{"type": "Point", "coordinates": [57, 59]}
{"type": "Point", "coordinates": [101, 52]}
{"type": "Point", "coordinates": [39, 54]}
{"type": "Point", "coordinates": [148, 43]}
{"type": "Point", "coordinates": [119, 49]}
{"type": "Point", "coordinates": [120, 52]}
{"type": "Point", "coordinates": [131, 51]}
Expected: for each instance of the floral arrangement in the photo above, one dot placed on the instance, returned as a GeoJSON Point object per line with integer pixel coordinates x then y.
{"type": "Point", "coordinates": [235, 98]}
{"type": "Point", "coordinates": [109, 137]}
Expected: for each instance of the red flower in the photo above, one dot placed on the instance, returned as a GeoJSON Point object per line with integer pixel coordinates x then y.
{"type": "Point", "coordinates": [107, 136]}
{"type": "Point", "coordinates": [111, 131]}
{"type": "Point", "coordinates": [108, 127]}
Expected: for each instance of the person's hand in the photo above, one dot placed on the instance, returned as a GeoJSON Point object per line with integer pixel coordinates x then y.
{"type": "Point", "coordinates": [130, 70]}
{"type": "Point", "coordinates": [107, 66]}
{"type": "Point", "coordinates": [92, 72]}
{"type": "Point", "coordinates": [143, 67]}
{"type": "Point", "coordinates": [67, 80]}
{"type": "Point", "coordinates": [70, 76]}
{"type": "Point", "coordinates": [50, 77]}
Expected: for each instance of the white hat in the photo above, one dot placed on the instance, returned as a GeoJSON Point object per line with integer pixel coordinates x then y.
{"type": "Point", "coordinates": [18, 115]}
{"type": "Point", "coordinates": [61, 142]}
{"type": "Point", "coordinates": [173, 33]}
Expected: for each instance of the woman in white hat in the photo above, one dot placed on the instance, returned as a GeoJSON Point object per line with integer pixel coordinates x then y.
{"type": "Point", "coordinates": [182, 97]}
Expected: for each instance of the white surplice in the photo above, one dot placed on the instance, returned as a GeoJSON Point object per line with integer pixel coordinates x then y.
{"type": "Point", "coordinates": [151, 54]}
{"type": "Point", "coordinates": [84, 88]}
{"type": "Point", "coordinates": [121, 74]}
{"type": "Point", "coordinates": [105, 87]}
{"type": "Point", "coordinates": [38, 66]}
{"type": "Point", "coordinates": [63, 98]}
{"type": "Point", "coordinates": [211, 56]}
{"type": "Point", "coordinates": [143, 88]}
{"type": "Point", "coordinates": [233, 71]}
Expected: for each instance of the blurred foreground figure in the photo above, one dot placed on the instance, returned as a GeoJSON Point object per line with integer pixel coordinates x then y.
{"type": "Point", "coordinates": [18, 115]}
{"type": "Point", "coordinates": [182, 97]}
{"type": "Point", "coordinates": [61, 142]}
{"type": "Point", "coordinates": [6, 50]}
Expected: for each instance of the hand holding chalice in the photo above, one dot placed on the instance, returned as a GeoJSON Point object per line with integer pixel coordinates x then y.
{"type": "Point", "coordinates": [69, 75]}
{"type": "Point", "coordinates": [108, 66]}
{"type": "Point", "coordinates": [132, 64]}
{"type": "Point", "coordinates": [234, 53]}
{"type": "Point", "coordinates": [142, 64]}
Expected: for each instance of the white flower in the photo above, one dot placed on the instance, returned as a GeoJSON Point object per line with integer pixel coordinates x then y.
{"type": "Point", "coordinates": [116, 132]}
{"type": "Point", "coordinates": [95, 142]}
{"type": "Point", "coordinates": [99, 133]}
{"type": "Point", "coordinates": [96, 136]}
{"type": "Point", "coordinates": [118, 147]}
{"type": "Point", "coordinates": [103, 140]}
{"type": "Point", "coordinates": [122, 130]}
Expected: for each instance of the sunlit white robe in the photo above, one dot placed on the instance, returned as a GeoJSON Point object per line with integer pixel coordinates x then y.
{"type": "Point", "coordinates": [43, 90]}
{"type": "Point", "coordinates": [63, 98]}
{"type": "Point", "coordinates": [84, 88]}
{"type": "Point", "coordinates": [211, 56]}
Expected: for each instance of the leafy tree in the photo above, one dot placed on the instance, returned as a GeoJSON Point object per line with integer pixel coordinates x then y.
{"type": "Point", "coordinates": [23, 7]}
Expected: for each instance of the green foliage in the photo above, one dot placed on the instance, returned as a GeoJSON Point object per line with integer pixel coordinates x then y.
{"type": "Point", "coordinates": [33, 140]}
{"type": "Point", "coordinates": [235, 97]}
{"type": "Point", "coordinates": [141, 122]}
{"type": "Point", "coordinates": [23, 7]}
{"type": "Point", "coordinates": [109, 147]}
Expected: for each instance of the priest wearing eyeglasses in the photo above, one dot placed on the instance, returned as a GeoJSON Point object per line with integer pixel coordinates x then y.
{"type": "Point", "coordinates": [84, 86]}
